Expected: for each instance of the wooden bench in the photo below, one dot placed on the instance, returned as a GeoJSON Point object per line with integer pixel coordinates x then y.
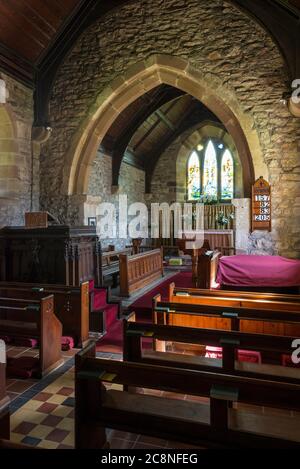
{"type": "Point", "coordinates": [207, 267]}
{"type": "Point", "coordinates": [71, 304]}
{"type": "Point", "coordinates": [4, 401]}
{"type": "Point", "coordinates": [140, 270]}
{"type": "Point", "coordinates": [221, 312]}
{"type": "Point", "coordinates": [230, 342]}
{"type": "Point", "coordinates": [36, 320]}
{"type": "Point", "coordinates": [257, 300]}
{"type": "Point", "coordinates": [110, 263]}
{"type": "Point", "coordinates": [217, 424]}
{"type": "Point", "coordinates": [244, 295]}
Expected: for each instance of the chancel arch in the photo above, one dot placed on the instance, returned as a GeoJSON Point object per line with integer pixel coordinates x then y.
{"type": "Point", "coordinates": [106, 82]}
{"type": "Point", "coordinates": [153, 72]}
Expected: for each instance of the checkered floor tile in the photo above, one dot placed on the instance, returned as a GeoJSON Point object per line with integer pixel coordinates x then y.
{"type": "Point", "coordinates": [47, 420]}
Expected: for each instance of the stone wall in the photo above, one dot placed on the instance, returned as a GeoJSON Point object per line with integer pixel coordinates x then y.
{"type": "Point", "coordinates": [132, 184]}
{"type": "Point", "coordinates": [16, 165]}
{"type": "Point", "coordinates": [230, 51]}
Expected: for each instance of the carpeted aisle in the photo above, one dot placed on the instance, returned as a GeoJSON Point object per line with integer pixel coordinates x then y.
{"type": "Point", "coordinates": [113, 340]}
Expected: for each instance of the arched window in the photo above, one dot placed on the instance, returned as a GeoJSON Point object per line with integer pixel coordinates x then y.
{"type": "Point", "coordinates": [210, 171]}
{"type": "Point", "coordinates": [227, 176]}
{"type": "Point", "coordinates": [193, 177]}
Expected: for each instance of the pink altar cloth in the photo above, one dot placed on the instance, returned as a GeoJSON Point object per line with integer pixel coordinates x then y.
{"type": "Point", "coordinates": [258, 271]}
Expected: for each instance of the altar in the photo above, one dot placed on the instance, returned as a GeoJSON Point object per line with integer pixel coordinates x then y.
{"type": "Point", "coordinates": [257, 272]}
{"type": "Point", "coordinates": [220, 239]}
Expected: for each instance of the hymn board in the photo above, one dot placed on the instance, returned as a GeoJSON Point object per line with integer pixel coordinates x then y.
{"type": "Point", "coordinates": [261, 205]}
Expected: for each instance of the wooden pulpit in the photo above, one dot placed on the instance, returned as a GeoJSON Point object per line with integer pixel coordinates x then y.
{"type": "Point", "coordinates": [57, 254]}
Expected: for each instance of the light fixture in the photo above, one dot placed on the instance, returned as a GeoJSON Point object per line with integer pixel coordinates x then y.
{"type": "Point", "coordinates": [200, 147]}
{"type": "Point", "coordinates": [221, 146]}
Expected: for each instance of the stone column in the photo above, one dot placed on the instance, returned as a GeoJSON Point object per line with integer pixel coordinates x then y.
{"type": "Point", "coordinates": [242, 224]}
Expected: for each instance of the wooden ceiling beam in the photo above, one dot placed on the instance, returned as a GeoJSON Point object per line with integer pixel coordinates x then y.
{"type": "Point", "coordinates": [137, 120]}
{"type": "Point", "coordinates": [279, 18]}
{"type": "Point", "coordinates": [165, 119]}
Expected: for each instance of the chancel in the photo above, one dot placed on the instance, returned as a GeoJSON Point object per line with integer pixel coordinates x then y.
{"type": "Point", "coordinates": [149, 225]}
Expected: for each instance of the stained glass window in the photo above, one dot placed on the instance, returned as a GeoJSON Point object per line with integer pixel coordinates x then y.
{"type": "Point", "coordinates": [194, 177]}
{"type": "Point", "coordinates": [227, 176]}
{"type": "Point", "coordinates": [210, 171]}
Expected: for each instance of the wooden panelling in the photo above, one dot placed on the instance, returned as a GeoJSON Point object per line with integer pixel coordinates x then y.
{"type": "Point", "coordinates": [28, 26]}
{"type": "Point", "coordinates": [139, 271]}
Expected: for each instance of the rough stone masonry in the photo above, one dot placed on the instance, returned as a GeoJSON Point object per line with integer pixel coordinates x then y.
{"type": "Point", "coordinates": [220, 41]}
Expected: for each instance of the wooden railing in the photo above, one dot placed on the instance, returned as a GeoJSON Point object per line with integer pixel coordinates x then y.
{"type": "Point", "coordinates": [138, 271]}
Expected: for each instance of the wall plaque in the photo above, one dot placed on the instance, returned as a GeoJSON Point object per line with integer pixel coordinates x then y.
{"type": "Point", "coordinates": [261, 205]}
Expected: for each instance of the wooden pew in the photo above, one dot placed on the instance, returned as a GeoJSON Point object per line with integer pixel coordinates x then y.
{"type": "Point", "coordinates": [71, 304]}
{"type": "Point", "coordinates": [34, 319]}
{"type": "Point", "coordinates": [244, 300]}
{"type": "Point", "coordinates": [4, 400]}
{"type": "Point", "coordinates": [110, 263]}
{"type": "Point", "coordinates": [250, 317]}
{"type": "Point", "coordinates": [245, 295]}
{"type": "Point", "coordinates": [140, 270]}
{"type": "Point", "coordinates": [207, 267]}
{"type": "Point", "coordinates": [217, 424]}
{"type": "Point", "coordinates": [230, 341]}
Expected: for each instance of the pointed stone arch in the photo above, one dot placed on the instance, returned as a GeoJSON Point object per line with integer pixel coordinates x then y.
{"type": "Point", "coordinates": [9, 165]}
{"type": "Point", "coordinates": [138, 80]}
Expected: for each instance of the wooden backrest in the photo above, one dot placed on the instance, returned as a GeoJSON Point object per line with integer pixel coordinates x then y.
{"type": "Point", "coordinates": [207, 266]}
{"type": "Point", "coordinates": [196, 383]}
{"type": "Point", "coordinates": [98, 407]}
{"type": "Point", "coordinates": [220, 298]}
{"type": "Point", "coordinates": [174, 291]}
{"type": "Point", "coordinates": [71, 304]}
{"type": "Point", "coordinates": [162, 308]}
{"type": "Point", "coordinates": [48, 331]}
{"type": "Point", "coordinates": [139, 270]}
{"type": "Point", "coordinates": [229, 341]}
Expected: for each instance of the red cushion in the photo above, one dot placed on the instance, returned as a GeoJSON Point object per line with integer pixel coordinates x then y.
{"type": "Point", "coordinates": [213, 352]}
{"type": "Point", "coordinates": [111, 314]}
{"type": "Point", "coordinates": [99, 299]}
{"type": "Point", "coordinates": [25, 342]}
{"type": "Point", "coordinates": [286, 360]}
{"type": "Point", "coordinates": [22, 367]}
{"type": "Point", "coordinates": [91, 285]}
{"type": "Point", "coordinates": [249, 356]}
{"type": "Point", "coordinates": [67, 343]}
{"type": "Point", "coordinates": [243, 355]}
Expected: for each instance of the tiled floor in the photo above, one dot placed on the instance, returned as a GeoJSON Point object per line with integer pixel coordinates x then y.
{"type": "Point", "coordinates": [42, 414]}
{"type": "Point", "coordinates": [42, 411]}
{"type": "Point", "coordinates": [47, 419]}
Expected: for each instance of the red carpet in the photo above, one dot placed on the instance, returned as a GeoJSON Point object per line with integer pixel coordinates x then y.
{"type": "Point", "coordinates": [144, 304]}
{"type": "Point", "coordinates": [113, 340]}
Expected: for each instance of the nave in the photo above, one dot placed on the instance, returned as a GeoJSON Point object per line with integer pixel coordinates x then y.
{"type": "Point", "coordinates": [149, 224]}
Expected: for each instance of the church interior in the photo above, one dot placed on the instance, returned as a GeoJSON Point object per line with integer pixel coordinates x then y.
{"type": "Point", "coordinates": [149, 224]}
